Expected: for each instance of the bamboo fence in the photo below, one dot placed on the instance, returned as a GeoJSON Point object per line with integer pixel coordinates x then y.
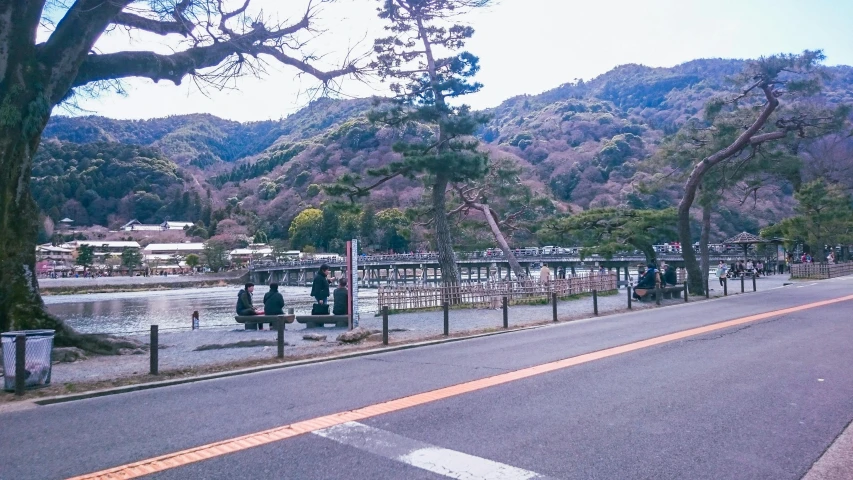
{"type": "Point", "coordinates": [821, 270]}
{"type": "Point", "coordinates": [489, 294]}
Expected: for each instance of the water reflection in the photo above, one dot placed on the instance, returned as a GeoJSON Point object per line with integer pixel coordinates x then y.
{"type": "Point", "coordinates": [135, 312]}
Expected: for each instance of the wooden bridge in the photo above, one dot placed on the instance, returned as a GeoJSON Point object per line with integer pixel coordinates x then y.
{"type": "Point", "coordinates": [423, 268]}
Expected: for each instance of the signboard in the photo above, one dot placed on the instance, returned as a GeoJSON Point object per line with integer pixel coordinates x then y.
{"type": "Point", "coordinates": [352, 284]}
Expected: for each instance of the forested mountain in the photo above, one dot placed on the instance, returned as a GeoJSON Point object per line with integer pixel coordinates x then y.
{"type": "Point", "coordinates": [203, 140]}
{"type": "Point", "coordinates": [582, 145]}
{"type": "Point", "coordinates": [108, 183]}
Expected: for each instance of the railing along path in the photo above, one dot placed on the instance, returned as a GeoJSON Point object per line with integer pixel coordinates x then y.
{"type": "Point", "coordinates": [489, 294]}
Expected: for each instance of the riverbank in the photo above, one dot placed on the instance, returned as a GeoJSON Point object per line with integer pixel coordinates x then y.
{"type": "Point", "coordinates": [72, 286]}
{"type": "Point", "coordinates": [188, 354]}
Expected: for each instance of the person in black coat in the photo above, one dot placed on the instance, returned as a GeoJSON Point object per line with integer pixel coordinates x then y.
{"type": "Point", "coordinates": [273, 301]}
{"type": "Point", "coordinates": [647, 280]}
{"type": "Point", "coordinates": [341, 298]}
{"type": "Point", "coordinates": [244, 301]}
{"type": "Point", "coordinates": [320, 287]}
{"type": "Point", "coordinates": [670, 277]}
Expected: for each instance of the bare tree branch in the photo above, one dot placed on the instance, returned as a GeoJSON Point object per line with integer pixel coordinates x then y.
{"type": "Point", "coordinates": [131, 20]}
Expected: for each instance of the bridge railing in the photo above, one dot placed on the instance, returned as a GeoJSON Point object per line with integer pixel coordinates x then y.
{"type": "Point", "coordinates": [431, 257]}
{"type": "Point", "coordinates": [489, 294]}
{"type": "Point", "coordinates": [821, 270]}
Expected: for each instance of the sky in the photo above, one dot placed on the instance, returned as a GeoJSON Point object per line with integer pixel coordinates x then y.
{"type": "Point", "coordinates": [525, 47]}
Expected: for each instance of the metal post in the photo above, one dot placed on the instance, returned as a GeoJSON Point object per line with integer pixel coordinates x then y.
{"type": "Point", "coordinates": [554, 305]}
{"type": "Point", "coordinates": [155, 350]}
{"type": "Point", "coordinates": [707, 289]}
{"type": "Point", "coordinates": [685, 292]}
{"type": "Point", "coordinates": [754, 288]}
{"type": "Point", "coordinates": [506, 312]}
{"type": "Point", "coordinates": [385, 325]}
{"type": "Point", "coordinates": [595, 301]}
{"type": "Point", "coordinates": [629, 297]}
{"type": "Point", "coordinates": [446, 307]}
{"type": "Point", "coordinates": [20, 363]}
{"type": "Point", "coordinates": [741, 282]}
{"type": "Point", "coordinates": [280, 327]}
{"type": "Point", "coordinates": [725, 286]}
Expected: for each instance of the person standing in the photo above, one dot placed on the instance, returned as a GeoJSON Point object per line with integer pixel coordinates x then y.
{"type": "Point", "coordinates": [320, 287]}
{"type": "Point", "coordinates": [544, 274]}
{"type": "Point", "coordinates": [721, 272]}
{"type": "Point", "coordinates": [244, 301]}
{"type": "Point", "coordinates": [273, 301]}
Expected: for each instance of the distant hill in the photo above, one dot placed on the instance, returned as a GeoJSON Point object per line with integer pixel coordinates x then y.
{"type": "Point", "coordinates": [580, 144]}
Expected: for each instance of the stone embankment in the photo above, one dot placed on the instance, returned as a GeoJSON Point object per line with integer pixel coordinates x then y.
{"type": "Point", "coordinates": [68, 286]}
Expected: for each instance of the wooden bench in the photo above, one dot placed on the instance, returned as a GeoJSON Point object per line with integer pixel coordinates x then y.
{"type": "Point", "coordinates": [320, 321]}
{"type": "Point", "coordinates": [667, 292]}
{"type": "Point", "coordinates": [644, 294]}
{"type": "Point", "coordinates": [253, 322]}
{"type": "Point", "coordinates": [672, 291]}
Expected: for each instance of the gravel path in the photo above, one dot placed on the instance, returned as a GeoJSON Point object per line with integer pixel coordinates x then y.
{"type": "Point", "coordinates": [179, 351]}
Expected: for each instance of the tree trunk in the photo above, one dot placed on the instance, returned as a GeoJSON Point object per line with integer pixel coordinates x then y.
{"type": "Point", "coordinates": [648, 252]}
{"type": "Point", "coordinates": [501, 240]}
{"type": "Point", "coordinates": [703, 242]}
{"type": "Point", "coordinates": [443, 241]}
{"type": "Point", "coordinates": [21, 306]}
{"type": "Point", "coordinates": [685, 236]}
{"type": "Point", "coordinates": [745, 139]}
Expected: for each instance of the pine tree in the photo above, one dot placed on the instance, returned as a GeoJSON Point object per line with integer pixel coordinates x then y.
{"type": "Point", "coordinates": [423, 83]}
{"type": "Point", "coordinates": [770, 113]}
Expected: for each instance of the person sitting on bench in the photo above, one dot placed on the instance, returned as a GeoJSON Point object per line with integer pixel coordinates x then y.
{"type": "Point", "coordinates": [669, 276]}
{"type": "Point", "coordinates": [244, 301]}
{"type": "Point", "coordinates": [341, 297]}
{"type": "Point", "coordinates": [647, 281]}
{"type": "Point", "coordinates": [273, 301]}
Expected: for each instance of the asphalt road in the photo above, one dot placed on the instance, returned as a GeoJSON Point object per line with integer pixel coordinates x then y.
{"type": "Point", "coordinates": [760, 400]}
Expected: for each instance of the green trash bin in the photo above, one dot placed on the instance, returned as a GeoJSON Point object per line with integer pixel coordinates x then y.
{"type": "Point", "coordinates": [37, 360]}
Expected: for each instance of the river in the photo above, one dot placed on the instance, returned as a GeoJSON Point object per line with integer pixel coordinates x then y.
{"type": "Point", "coordinates": [134, 312]}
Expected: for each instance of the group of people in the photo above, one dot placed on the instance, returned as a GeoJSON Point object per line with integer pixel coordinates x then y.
{"type": "Point", "coordinates": [650, 276]}
{"type": "Point", "coordinates": [274, 301]}
{"type": "Point", "coordinates": [741, 268]}
{"type": "Point", "coordinates": [546, 275]}
{"type": "Point", "coordinates": [320, 291]}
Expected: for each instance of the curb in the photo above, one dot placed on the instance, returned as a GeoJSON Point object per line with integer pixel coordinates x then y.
{"type": "Point", "coordinates": [264, 368]}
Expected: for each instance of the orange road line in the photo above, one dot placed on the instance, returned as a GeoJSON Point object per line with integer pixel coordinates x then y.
{"type": "Point", "coordinates": [216, 449]}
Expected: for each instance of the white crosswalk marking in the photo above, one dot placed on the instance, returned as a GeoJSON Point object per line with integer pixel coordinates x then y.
{"type": "Point", "coordinates": [450, 463]}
